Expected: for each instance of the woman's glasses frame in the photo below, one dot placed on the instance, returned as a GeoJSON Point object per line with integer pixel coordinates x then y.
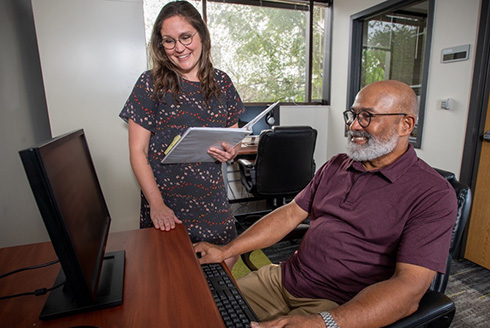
{"type": "Point", "coordinates": [185, 39]}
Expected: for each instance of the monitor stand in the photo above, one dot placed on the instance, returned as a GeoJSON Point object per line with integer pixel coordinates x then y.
{"type": "Point", "coordinates": [61, 302]}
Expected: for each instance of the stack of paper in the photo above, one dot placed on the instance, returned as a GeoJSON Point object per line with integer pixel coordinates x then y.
{"type": "Point", "coordinates": [193, 145]}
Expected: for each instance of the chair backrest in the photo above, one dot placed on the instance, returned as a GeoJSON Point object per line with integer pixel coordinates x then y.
{"type": "Point", "coordinates": [284, 163]}
{"type": "Point", "coordinates": [463, 194]}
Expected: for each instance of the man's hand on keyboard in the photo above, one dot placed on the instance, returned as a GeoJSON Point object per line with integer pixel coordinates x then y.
{"type": "Point", "coordinates": [209, 253]}
{"type": "Point", "coordinates": [290, 321]}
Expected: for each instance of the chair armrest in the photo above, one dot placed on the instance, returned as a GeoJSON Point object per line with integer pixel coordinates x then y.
{"type": "Point", "coordinates": [433, 306]}
{"type": "Point", "coordinates": [247, 174]}
{"type": "Point", "coordinates": [248, 263]}
{"type": "Point", "coordinates": [246, 163]}
{"type": "Point", "coordinates": [297, 233]}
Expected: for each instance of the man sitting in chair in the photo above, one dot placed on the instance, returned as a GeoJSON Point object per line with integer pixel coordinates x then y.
{"type": "Point", "coordinates": [380, 227]}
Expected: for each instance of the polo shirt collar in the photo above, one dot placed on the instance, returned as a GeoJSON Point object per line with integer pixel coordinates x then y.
{"type": "Point", "coordinates": [395, 170]}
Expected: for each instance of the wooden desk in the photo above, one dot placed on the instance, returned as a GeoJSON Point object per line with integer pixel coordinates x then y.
{"type": "Point", "coordinates": [163, 285]}
{"type": "Point", "coordinates": [247, 150]}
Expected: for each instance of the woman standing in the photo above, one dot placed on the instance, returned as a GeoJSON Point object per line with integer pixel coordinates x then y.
{"type": "Point", "coordinates": [181, 90]}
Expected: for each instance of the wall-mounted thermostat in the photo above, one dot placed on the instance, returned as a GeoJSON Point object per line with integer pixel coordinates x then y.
{"type": "Point", "coordinates": [446, 103]}
{"type": "Point", "coordinates": [453, 54]}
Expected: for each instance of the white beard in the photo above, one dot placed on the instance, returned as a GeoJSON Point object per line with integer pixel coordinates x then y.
{"type": "Point", "coordinates": [374, 148]}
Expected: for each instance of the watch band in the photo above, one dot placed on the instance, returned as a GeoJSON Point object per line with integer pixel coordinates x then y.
{"type": "Point", "coordinates": [329, 320]}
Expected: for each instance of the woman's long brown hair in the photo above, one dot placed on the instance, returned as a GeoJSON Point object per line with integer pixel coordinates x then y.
{"type": "Point", "coordinates": [165, 73]}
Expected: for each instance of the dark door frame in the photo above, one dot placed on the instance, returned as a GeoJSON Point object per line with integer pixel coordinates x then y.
{"type": "Point", "coordinates": [355, 54]}
{"type": "Point", "coordinates": [478, 107]}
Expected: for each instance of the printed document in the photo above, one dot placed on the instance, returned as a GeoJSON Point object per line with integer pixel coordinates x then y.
{"type": "Point", "coordinates": [193, 145]}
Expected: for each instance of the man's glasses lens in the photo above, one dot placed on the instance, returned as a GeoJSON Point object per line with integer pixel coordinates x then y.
{"type": "Point", "coordinates": [349, 117]}
{"type": "Point", "coordinates": [364, 118]}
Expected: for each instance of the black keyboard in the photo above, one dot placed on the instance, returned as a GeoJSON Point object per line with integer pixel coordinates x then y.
{"type": "Point", "coordinates": [234, 310]}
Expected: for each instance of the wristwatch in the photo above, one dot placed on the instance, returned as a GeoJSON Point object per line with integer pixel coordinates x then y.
{"type": "Point", "coordinates": [329, 320]}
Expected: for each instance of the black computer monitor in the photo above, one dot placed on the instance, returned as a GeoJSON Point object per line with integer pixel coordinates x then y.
{"type": "Point", "coordinates": [67, 191]}
{"type": "Point", "coordinates": [264, 123]}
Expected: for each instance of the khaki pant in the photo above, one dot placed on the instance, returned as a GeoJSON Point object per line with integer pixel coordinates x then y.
{"type": "Point", "coordinates": [264, 292]}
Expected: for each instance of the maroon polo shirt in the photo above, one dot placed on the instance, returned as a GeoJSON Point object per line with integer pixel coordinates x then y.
{"type": "Point", "coordinates": [364, 222]}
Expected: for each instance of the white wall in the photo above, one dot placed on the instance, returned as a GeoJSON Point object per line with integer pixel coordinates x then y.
{"type": "Point", "coordinates": [314, 116]}
{"type": "Point", "coordinates": [24, 122]}
{"type": "Point", "coordinates": [455, 23]}
{"type": "Point", "coordinates": [92, 52]}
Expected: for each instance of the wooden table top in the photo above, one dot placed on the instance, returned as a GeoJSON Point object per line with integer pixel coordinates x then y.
{"type": "Point", "coordinates": [163, 285]}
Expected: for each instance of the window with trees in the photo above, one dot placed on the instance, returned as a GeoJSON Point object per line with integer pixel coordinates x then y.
{"type": "Point", "coordinates": [271, 49]}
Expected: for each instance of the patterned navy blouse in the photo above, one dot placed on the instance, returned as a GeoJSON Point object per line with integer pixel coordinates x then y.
{"type": "Point", "coordinates": [194, 191]}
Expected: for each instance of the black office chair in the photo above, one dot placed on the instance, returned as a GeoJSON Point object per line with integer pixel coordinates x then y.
{"type": "Point", "coordinates": [284, 165]}
{"type": "Point", "coordinates": [436, 310]}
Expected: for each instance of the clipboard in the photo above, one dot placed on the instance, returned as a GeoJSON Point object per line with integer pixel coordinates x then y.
{"type": "Point", "coordinates": [193, 145]}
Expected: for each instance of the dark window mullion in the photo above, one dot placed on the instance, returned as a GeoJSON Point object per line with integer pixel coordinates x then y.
{"type": "Point", "coordinates": [205, 10]}
{"type": "Point", "coordinates": [309, 54]}
{"type": "Point", "coordinates": [327, 58]}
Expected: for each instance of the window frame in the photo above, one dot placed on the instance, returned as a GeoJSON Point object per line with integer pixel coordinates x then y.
{"type": "Point", "coordinates": [355, 54]}
{"type": "Point", "coordinates": [303, 5]}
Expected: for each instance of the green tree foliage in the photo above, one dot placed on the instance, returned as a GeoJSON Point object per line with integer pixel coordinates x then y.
{"type": "Point", "coordinates": [263, 49]}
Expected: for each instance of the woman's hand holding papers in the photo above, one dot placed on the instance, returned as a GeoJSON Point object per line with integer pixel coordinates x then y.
{"type": "Point", "coordinates": [224, 155]}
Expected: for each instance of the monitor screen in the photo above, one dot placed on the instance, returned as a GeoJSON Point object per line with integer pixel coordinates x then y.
{"type": "Point", "coordinates": [252, 111]}
{"type": "Point", "coordinates": [67, 191]}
